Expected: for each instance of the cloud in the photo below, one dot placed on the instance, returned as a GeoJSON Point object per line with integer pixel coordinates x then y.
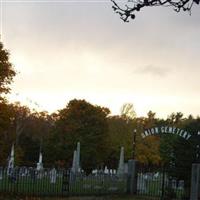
{"type": "Point", "coordinates": [153, 70]}
{"type": "Point", "coordinates": [84, 50]}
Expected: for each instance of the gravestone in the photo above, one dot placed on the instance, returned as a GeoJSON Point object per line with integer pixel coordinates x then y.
{"type": "Point", "coordinates": [95, 171]}
{"type": "Point", "coordinates": [39, 168]}
{"type": "Point", "coordinates": [174, 184]}
{"type": "Point", "coordinates": [120, 170]}
{"type": "Point", "coordinates": [181, 184]}
{"type": "Point", "coordinates": [74, 164]}
{"type": "Point", "coordinates": [156, 175]}
{"type": "Point", "coordinates": [11, 162]}
{"type": "Point", "coordinates": [76, 160]}
{"type": "Point", "coordinates": [22, 171]}
{"type": "Point", "coordinates": [32, 173]}
{"type": "Point", "coordinates": [142, 183]}
{"type": "Point", "coordinates": [40, 164]}
{"type": "Point", "coordinates": [25, 171]}
{"type": "Point", "coordinates": [53, 175]}
{"type": "Point", "coordinates": [106, 170]}
{"type": "Point", "coordinates": [78, 156]}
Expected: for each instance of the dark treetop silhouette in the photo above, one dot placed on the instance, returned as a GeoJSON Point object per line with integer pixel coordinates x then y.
{"type": "Point", "coordinates": [128, 10]}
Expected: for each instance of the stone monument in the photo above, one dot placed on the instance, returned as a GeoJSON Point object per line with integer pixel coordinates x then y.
{"type": "Point", "coordinates": [78, 156]}
{"type": "Point", "coordinates": [76, 160]}
{"type": "Point", "coordinates": [53, 175]}
{"type": "Point", "coordinates": [40, 164]}
{"type": "Point", "coordinates": [120, 170]}
{"type": "Point", "coordinates": [74, 164]}
{"type": "Point", "coordinates": [11, 161]}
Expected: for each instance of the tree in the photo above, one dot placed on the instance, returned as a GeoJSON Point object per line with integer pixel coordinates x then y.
{"type": "Point", "coordinates": [7, 133]}
{"type": "Point", "coordinates": [175, 118]}
{"type": "Point", "coordinates": [86, 123]}
{"type": "Point", "coordinates": [128, 10]}
{"type": "Point", "coordinates": [34, 136]}
{"type": "Point", "coordinates": [6, 70]}
{"type": "Point", "coordinates": [147, 149]}
{"type": "Point", "coordinates": [21, 114]}
{"type": "Point", "coordinates": [120, 134]}
{"type": "Point", "coordinates": [6, 111]}
{"type": "Point", "coordinates": [127, 111]}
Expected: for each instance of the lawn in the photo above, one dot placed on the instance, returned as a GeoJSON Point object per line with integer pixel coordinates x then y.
{"type": "Point", "coordinates": [79, 185]}
{"type": "Point", "coordinates": [117, 197]}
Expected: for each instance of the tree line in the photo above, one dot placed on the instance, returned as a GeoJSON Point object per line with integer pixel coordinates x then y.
{"type": "Point", "coordinates": [101, 134]}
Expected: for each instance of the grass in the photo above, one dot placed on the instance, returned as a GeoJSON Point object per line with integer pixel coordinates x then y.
{"type": "Point", "coordinates": [77, 186]}
{"type": "Point", "coordinates": [116, 197]}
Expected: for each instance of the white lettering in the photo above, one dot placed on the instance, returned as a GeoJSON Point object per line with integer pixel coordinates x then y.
{"type": "Point", "coordinates": [178, 130]}
{"type": "Point", "coordinates": [146, 133]}
{"type": "Point", "coordinates": [170, 130]}
{"type": "Point", "coordinates": [149, 132]}
{"type": "Point", "coordinates": [181, 133]}
{"type": "Point", "coordinates": [188, 136]}
{"type": "Point", "coordinates": [162, 129]}
{"type": "Point", "coordinates": [152, 131]}
{"type": "Point", "coordinates": [167, 130]}
{"type": "Point", "coordinates": [185, 134]}
{"type": "Point", "coordinates": [156, 130]}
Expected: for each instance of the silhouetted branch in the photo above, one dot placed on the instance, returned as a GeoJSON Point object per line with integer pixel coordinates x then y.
{"type": "Point", "coordinates": [126, 12]}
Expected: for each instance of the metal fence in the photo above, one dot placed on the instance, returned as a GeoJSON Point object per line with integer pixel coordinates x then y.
{"type": "Point", "coordinates": [163, 182]}
{"type": "Point", "coordinates": [52, 182]}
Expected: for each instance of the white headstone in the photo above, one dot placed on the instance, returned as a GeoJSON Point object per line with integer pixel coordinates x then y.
{"type": "Point", "coordinates": [53, 175]}
{"type": "Point", "coordinates": [142, 183]}
{"type": "Point", "coordinates": [76, 159]}
{"type": "Point", "coordinates": [94, 171]}
{"type": "Point", "coordinates": [11, 161]}
{"type": "Point", "coordinates": [74, 170]}
{"type": "Point", "coordinates": [174, 184]}
{"type": "Point", "coordinates": [181, 184]}
{"type": "Point", "coordinates": [156, 175]}
{"type": "Point", "coordinates": [78, 156]}
{"type": "Point", "coordinates": [120, 170]}
{"type": "Point", "coordinates": [106, 171]}
{"type": "Point", "coordinates": [39, 164]}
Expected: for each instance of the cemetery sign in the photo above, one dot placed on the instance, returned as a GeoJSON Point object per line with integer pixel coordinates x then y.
{"type": "Point", "coordinates": [166, 130]}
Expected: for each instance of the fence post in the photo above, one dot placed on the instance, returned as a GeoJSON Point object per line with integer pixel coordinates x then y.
{"type": "Point", "coordinates": [195, 182]}
{"type": "Point", "coordinates": [132, 177]}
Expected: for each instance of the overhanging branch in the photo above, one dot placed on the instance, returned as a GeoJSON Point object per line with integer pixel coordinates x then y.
{"type": "Point", "coordinates": [126, 12]}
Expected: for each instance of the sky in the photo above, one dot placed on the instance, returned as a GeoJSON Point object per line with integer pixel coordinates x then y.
{"type": "Point", "coordinates": [81, 49]}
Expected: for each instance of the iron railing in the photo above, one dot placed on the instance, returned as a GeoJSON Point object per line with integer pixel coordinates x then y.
{"type": "Point", "coordinates": [162, 182]}
{"type": "Point", "coordinates": [52, 182]}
